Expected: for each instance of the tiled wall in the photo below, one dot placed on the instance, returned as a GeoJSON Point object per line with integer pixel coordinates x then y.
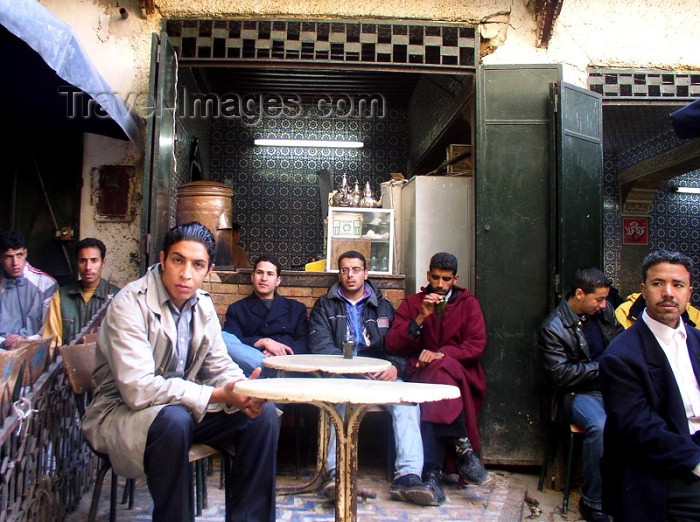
{"type": "Point", "coordinates": [674, 220]}
{"type": "Point", "coordinates": [276, 192]}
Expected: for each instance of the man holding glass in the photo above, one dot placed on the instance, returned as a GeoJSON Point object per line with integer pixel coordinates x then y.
{"type": "Point", "coordinates": [355, 310]}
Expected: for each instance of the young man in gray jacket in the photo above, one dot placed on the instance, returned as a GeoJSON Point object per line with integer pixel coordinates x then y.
{"type": "Point", "coordinates": [164, 381]}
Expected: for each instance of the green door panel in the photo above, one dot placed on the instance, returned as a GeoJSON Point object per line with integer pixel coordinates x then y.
{"type": "Point", "coordinates": [157, 205]}
{"type": "Point", "coordinates": [579, 180]}
{"type": "Point", "coordinates": [513, 252]}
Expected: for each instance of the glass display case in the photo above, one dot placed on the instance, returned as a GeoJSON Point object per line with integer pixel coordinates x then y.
{"type": "Point", "coordinates": [369, 231]}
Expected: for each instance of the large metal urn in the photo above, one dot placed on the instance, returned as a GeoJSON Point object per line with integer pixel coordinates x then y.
{"type": "Point", "coordinates": [210, 203]}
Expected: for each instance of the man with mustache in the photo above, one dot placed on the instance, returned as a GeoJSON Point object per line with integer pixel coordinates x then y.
{"type": "Point", "coordinates": [442, 332]}
{"type": "Point", "coordinates": [25, 293]}
{"type": "Point", "coordinates": [650, 379]}
{"type": "Point", "coordinates": [264, 324]}
{"type": "Point", "coordinates": [75, 303]}
{"type": "Point", "coordinates": [572, 340]}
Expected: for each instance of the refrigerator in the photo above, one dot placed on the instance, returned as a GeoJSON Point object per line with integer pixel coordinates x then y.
{"type": "Point", "coordinates": [436, 215]}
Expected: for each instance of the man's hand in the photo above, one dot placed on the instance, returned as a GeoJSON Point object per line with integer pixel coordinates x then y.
{"type": "Point", "coordinates": [427, 356]}
{"type": "Point", "coordinates": [251, 406]}
{"type": "Point", "coordinates": [272, 348]}
{"type": "Point", "coordinates": [390, 374]}
{"type": "Point", "coordinates": [12, 340]}
{"type": "Point", "coordinates": [427, 307]}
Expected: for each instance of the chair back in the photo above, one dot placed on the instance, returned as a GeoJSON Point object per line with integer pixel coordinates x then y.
{"type": "Point", "coordinates": [78, 362]}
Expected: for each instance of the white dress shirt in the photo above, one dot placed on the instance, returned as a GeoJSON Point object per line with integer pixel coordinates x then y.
{"type": "Point", "coordinates": [675, 347]}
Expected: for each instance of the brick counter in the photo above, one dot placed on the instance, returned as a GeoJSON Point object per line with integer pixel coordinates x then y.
{"type": "Point", "coordinates": [227, 287]}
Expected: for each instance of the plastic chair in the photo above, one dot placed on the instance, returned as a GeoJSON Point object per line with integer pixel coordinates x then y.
{"type": "Point", "coordinates": [574, 430]}
{"type": "Point", "coordinates": [78, 362]}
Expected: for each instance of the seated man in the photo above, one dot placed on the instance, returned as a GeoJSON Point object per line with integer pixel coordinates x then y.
{"type": "Point", "coordinates": [163, 381]}
{"type": "Point", "coordinates": [75, 303]}
{"type": "Point", "coordinates": [441, 330]}
{"type": "Point", "coordinates": [25, 293]}
{"type": "Point", "coordinates": [572, 339]}
{"type": "Point", "coordinates": [632, 308]}
{"type": "Point", "coordinates": [355, 307]}
{"type": "Point", "coordinates": [651, 390]}
{"type": "Point", "coordinates": [264, 324]}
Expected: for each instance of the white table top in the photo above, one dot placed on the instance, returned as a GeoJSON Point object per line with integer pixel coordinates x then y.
{"type": "Point", "coordinates": [326, 363]}
{"type": "Point", "coordinates": [337, 391]}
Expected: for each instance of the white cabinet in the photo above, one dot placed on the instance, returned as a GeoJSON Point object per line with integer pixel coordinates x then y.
{"type": "Point", "coordinates": [369, 231]}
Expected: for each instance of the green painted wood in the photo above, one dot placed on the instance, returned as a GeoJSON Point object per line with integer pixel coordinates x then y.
{"type": "Point", "coordinates": [513, 253]}
{"type": "Point", "coordinates": [156, 208]}
{"type": "Point", "coordinates": [579, 181]}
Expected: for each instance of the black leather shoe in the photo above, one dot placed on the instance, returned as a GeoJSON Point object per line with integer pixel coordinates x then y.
{"type": "Point", "coordinates": [434, 481]}
{"type": "Point", "coordinates": [410, 488]}
{"type": "Point", "coordinates": [591, 514]}
{"type": "Point", "coordinates": [470, 465]}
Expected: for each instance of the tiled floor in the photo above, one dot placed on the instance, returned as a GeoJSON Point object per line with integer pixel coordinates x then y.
{"type": "Point", "coordinates": [502, 499]}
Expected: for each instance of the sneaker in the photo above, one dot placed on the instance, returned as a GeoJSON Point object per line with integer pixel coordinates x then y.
{"type": "Point", "coordinates": [434, 481]}
{"type": "Point", "coordinates": [328, 488]}
{"type": "Point", "coordinates": [591, 514]}
{"type": "Point", "coordinates": [410, 488]}
{"type": "Point", "coordinates": [470, 465]}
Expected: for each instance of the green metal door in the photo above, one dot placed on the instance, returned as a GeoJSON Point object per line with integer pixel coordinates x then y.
{"type": "Point", "coordinates": [539, 217]}
{"type": "Point", "coordinates": [513, 279]}
{"type": "Point", "coordinates": [579, 179]}
{"type": "Point", "coordinates": [157, 208]}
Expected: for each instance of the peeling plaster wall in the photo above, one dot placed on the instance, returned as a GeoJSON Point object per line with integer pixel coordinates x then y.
{"type": "Point", "coordinates": [121, 239]}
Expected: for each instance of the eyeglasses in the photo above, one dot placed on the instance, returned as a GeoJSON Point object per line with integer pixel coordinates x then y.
{"type": "Point", "coordinates": [355, 270]}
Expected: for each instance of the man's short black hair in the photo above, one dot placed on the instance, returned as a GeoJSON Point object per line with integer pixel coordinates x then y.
{"type": "Point", "coordinates": [269, 259]}
{"type": "Point", "coordinates": [91, 242]}
{"type": "Point", "coordinates": [192, 231]}
{"type": "Point", "coordinates": [666, 256]}
{"type": "Point", "coordinates": [589, 279]}
{"type": "Point", "coordinates": [444, 261]}
{"type": "Point", "coordinates": [12, 240]}
{"type": "Point", "coordinates": [353, 254]}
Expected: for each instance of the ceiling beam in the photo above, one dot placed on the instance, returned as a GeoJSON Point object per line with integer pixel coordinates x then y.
{"type": "Point", "coordinates": [640, 182]}
{"type": "Point", "coordinates": [546, 13]}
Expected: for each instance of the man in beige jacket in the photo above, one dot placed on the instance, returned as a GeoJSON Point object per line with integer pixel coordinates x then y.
{"type": "Point", "coordinates": [164, 381]}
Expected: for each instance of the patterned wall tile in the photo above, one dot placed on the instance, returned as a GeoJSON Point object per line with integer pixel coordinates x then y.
{"type": "Point", "coordinates": [276, 191]}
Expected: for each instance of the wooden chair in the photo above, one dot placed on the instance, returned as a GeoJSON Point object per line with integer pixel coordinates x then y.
{"type": "Point", "coordinates": [79, 362]}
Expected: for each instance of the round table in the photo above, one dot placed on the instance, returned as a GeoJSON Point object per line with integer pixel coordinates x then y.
{"type": "Point", "coordinates": [322, 365]}
{"type": "Point", "coordinates": [357, 395]}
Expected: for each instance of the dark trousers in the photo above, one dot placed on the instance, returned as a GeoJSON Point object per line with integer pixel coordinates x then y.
{"type": "Point", "coordinates": [683, 502]}
{"type": "Point", "coordinates": [254, 441]}
{"type": "Point", "coordinates": [436, 437]}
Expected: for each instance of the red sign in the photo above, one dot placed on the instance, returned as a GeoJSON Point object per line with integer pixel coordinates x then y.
{"type": "Point", "coordinates": [635, 231]}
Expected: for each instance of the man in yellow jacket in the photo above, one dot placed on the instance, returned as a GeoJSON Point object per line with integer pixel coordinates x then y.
{"type": "Point", "coordinates": [628, 312]}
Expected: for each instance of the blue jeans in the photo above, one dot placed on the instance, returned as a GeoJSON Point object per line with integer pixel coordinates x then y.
{"type": "Point", "coordinates": [245, 356]}
{"type": "Point", "coordinates": [588, 413]}
{"type": "Point", "coordinates": [407, 440]}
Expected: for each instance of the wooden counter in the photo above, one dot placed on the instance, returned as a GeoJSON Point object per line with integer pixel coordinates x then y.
{"type": "Point", "coordinates": [227, 287]}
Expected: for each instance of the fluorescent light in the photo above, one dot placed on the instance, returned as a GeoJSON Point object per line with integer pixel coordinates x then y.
{"type": "Point", "coordinates": [309, 143]}
{"type": "Point", "coordinates": [687, 190]}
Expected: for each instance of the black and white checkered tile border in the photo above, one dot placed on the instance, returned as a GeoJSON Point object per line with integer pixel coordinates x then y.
{"type": "Point", "coordinates": [383, 43]}
{"type": "Point", "coordinates": [636, 84]}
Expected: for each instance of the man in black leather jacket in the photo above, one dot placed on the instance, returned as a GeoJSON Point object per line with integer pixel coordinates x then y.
{"type": "Point", "coordinates": [572, 340]}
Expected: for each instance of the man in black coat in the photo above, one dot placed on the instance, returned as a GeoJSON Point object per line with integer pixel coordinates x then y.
{"type": "Point", "coordinates": [264, 324]}
{"type": "Point", "coordinates": [649, 379]}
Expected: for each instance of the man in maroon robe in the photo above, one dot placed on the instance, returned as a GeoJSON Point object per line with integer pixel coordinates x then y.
{"type": "Point", "coordinates": [442, 332]}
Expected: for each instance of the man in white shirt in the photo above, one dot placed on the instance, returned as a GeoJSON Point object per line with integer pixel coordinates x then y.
{"type": "Point", "coordinates": [649, 378]}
